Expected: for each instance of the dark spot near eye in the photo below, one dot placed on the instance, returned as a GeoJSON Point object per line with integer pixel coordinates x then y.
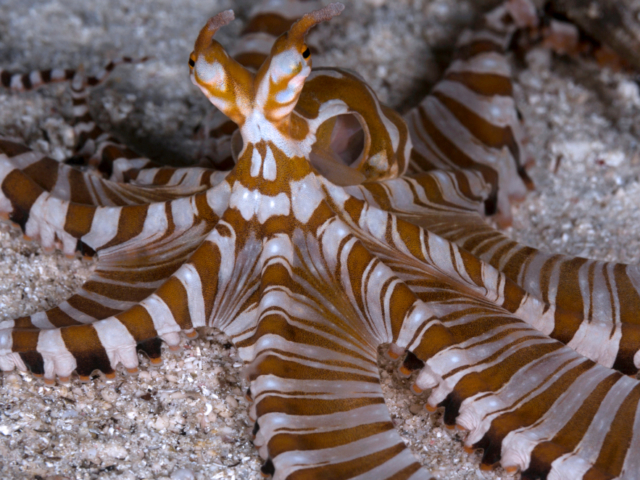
{"type": "Point", "coordinates": [306, 53]}
{"type": "Point", "coordinates": [191, 62]}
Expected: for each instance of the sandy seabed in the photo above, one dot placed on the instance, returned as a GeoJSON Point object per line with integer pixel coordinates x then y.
{"type": "Point", "coordinates": [187, 419]}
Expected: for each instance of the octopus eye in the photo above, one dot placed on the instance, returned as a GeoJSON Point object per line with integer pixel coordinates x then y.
{"type": "Point", "coordinates": [306, 53]}
{"type": "Point", "coordinates": [191, 62]}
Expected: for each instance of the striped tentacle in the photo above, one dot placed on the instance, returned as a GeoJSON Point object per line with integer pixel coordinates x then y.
{"type": "Point", "coordinates": [595, 302]}
{"type": "Point", "coordinates": [453, 194]}
{"type": "Point", "coordinates": [476, 96]}
{"type": "Point", "coordinates": [108, 156]}
{"type": "Point", "coordinates": [113, 159]}
{"type": "Point", "coordinates": [178, 178]}
{"type": "Point", "coordinates": [216, 133]}
{"type": "Point", "coordinates": [139, 247]}
{"type": "Point", "coordinates": [530, 402]}
{"type": "Point", "coordinates": [20, 82]}
{"type": "Point", "coordinates": [606, 295]}
{"type": "Point", "coordinates": [469, 121]}
{"type": "Point", "coordinates": [309, 279]}
{"type": "Point", "coordinates": [123, 277]}
{"type": "Point", "coordinates": [65, 182]}
{"type": "Point", "coordinates": [117, 285]}
{"type": "Point", "coordinates": [96, 148]}
{"type": "Point", "coordinates": [496, 375]}
{"type": "Point", "coordinates": [326, 303]}
{"type": "Point", "coordinates": [73, 226]}
{"type": "Point", "coordinates": [312, 363]}
{"type": "Point", "coordinates": [150, 287]}
{"type": "Point", "coordinates": [93, 145]}
{"type": "Point", "coordinates": [525, 399]}
{"type": "Point", "coordinates": [403, 243]}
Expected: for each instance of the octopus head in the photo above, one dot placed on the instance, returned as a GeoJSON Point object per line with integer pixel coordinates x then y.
{"type": "Point", "coordinates": [273, 91]}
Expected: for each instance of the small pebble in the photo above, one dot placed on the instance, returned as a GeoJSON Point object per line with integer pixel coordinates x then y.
{"type": "Point", "coordinates": [109, 395]}
{"type": "Point", "coordinates": [231, 402]}
{"type": "Point", "coordinates": [161, 423]}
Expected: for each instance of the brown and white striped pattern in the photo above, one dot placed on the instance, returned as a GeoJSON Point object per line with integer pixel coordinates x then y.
{"type": "Point", "coordinates": [310, 255]}
{"type": "Point", "coordinates": [469, 121]}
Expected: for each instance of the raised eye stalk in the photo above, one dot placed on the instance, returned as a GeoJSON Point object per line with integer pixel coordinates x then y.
{"type": "Point", "coordinates": [213, 24]}
{"type": "Point", "coordinates": [273, 91]}
{"type": "Point", "coordinates": [301, 27]}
